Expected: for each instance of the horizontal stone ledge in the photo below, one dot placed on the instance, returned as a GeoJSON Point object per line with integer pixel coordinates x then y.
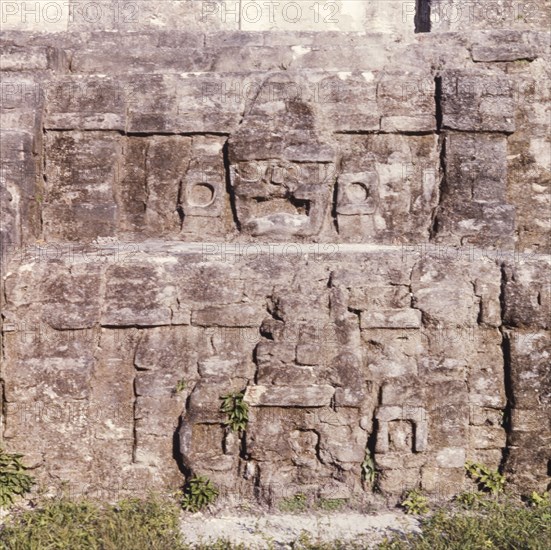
{"type": "Point", "coordinates": [289, 396]}
{"type": "Point", "coordinates": [391, 318]}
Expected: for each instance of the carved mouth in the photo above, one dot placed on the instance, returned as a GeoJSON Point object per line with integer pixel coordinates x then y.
{"type": "Point", "coordinates": [281, 224]}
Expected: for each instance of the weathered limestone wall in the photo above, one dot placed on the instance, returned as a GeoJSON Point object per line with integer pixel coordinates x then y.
{"type": "Point", "coordinates": [351, 227]}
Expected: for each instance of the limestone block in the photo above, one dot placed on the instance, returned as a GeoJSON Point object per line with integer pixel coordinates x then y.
{"type": "Point", "coordinates": [83, 102]}
{"type": "Point", "coordinates": [438, 292]}
{"type": "Point", "coordinates": [477, 101]}
{"type": "Point", "coordinates": [406, 101]}
{"type": "Point", "coordinates": [451, 457]}
{"type": "Point", "coordinates": [391, 318]}
{"type": "Point", "coordinates": [443, 482]}
{"type": "Point", "coordinates": [396, 482]}
{"type": "Point", "coordinates": [376, 297]}
{"type": "Point", "coordinates": [81, 170]}
{"type": "Point", "coordinates": [345, 444]}
{"type": "Point", "coordinates": [476, 167]}
{"type": "Point", "coordinates": [348, 102]}
{"type": "Point", "coordinates": [527, 297]}
{"type": "Point", "coordinates": [175, 349]}
{"type": "Point", "coordinates": [529, 377]}
{"type": "Point", "coordinates": [204, 402]}
{"type": "Point", "coordinates": [308, 354]}
{"type": "Point", "coordinates": [234, 315]}
{"type": "Point", "coordinates": [473, 203]}
{"type": "Point", "coordinates": [386, 179]}
{"type": "Point", "coordinates": [448, 425]}
{"type": "Point", "coordinates": [72, 297]}
{"type": "Point", "coordinates": [217, 367]}
{"type": "Point", "coordinates": [282, 396]}
{"type": "Point", "coordinates": [16, 58]}
{"type": "Point", "coordinates": [347, 397]}
{"type": "Point", "coordinates": [158, 417]}
{"type": "Point", "coordinates": [505, 46]}
{"type": "Point", "coordinates": [60, 377]}
{"type": "Point", "coordinates": [204, 186]}
{"type": "Point", "coordinates": [133, 296]}
{"type": "Point", "coordinates": [409, 392]}
{"type": "Point", "coordinates": [400, 460]}
{"type": "Point", "coordinates": [487, 437]}
{"type": "Point", "coordinates": [19, 186]}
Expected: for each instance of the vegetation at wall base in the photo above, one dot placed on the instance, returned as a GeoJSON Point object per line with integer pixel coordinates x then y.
{"type": "Point", "coordinates": [14, 479]}
{"type": "Point", "coordinates": [496, 524]}
{"type": "Point", "coordinates": [199, 492]}
{"type": "Point", "coordinates": [502, 523]}
{"type": "Point", "coordinates": [62, 524]}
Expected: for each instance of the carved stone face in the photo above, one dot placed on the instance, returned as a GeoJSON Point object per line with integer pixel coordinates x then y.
{"type": "Point", "coordinates": [281, 198]}
{"type": "Point", "coordinates": [282, 165]}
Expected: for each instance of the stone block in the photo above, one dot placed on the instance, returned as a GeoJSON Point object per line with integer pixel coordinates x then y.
{"type": "Point", "coordinates": [282, 396]}
{"type": "Point", "coordinates": [509, 45]}
{"type": "Point", "coordinates": [391, 318]}
{"type": "Point", "coordinates": [134, 296]}
{"type": "Point", "coordinates": [477, 101]}
{"type": "Point", "coordinates": [81, 170]}
{"type": "Point", "coordinates": [527, 296]}
{"type": "Point", "coordinates": [234, 315]}
{"type": "Point", "coordinates": [87, 103]}
{"type": "Point", "coordinates": [529, 378]}
{"type": "Point", "coordinates": [451, 457]}
{"type": "Point", "coordinates": [384, 184]}
{"type": "Point", "coordinates": [218, 367]}
{"type": "Point", "coordinates": [487, 437]}
{"type": "Point", "coordinates": [72, 298]}
{"type": "Point", "coordinates": [396, 482]}
{"type": "Point", "coordinates": [403, 392]}
{"type": "Point", "coordinates": [309, 354]}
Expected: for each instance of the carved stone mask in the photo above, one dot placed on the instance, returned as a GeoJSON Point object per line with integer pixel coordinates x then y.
{"type": "Point", "coordinates": [281, 170]}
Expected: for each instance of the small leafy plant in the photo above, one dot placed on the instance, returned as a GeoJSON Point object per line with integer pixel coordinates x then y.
{"type": "Point", "coordinates": [368, 468]}
{"type": "Point", "coordinates": [294, 504]}
{"type": "Point", "coordinates": [14, 481]}
{"type": "Point", "coordinates": [331, 504]}
{"type": "Point", "coordinates": [470, 500]}
{"type": "Point", "coordinates": [234, 406]}
{"type": "Point", "coordinates": [415, 503]}
{"type": "Point", "coordinates": [535, 500]}
{"type": "Point", "coordinates": [181, 385]}
{"type": "Point", "coordinates": [198, 494]}
{"type": "Point", "coordinates": [488, 480]}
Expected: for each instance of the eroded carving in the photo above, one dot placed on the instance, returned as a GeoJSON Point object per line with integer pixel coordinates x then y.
{"type": "Point", "coordinates": [282, 169]}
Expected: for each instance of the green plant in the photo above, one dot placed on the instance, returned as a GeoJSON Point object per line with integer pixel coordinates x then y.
{"type": "Point", "coordinates": [181, 385]}
{"type": "Point", "coordinates": [415, 503]}
{"type": "Point", "coordinates": [502, 524]}
{"type": "Point", "coordinates": [199, 492]}
{"type": "Point", "coordinates": [470, 500]}
{"type": "Point", "coordinates": [331, 504]}
{"type": "Point", "coordinates": [61, 524]}
{"type": "Point", "coordinates": [539, 501]}
{"type": "Point", "coordinates": [14, 481]}
{"type": "Point", "coordinates": [294, 504]}
{"type": "Point", "coordinates": [234, 406]}
{"type": "Point", "coordinates": [368, 468]}
{"type": "Point", "coordinates": [487, 479]}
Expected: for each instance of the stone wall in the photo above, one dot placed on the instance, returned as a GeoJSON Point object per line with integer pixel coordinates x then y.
{"type": "Point", "coordinates": [352, 228]}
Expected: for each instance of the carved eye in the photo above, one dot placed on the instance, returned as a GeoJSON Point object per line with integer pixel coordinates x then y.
{"type": "Point", "coordinates": [358, 192]}
{"type": "Point", "coordinates": [201, 194]}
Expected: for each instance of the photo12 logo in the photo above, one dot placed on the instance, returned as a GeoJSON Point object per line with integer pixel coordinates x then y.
{"type": "Point", "coordinates": [271, 12]}
{"type": "Point", "coordinates": [48, 13]}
